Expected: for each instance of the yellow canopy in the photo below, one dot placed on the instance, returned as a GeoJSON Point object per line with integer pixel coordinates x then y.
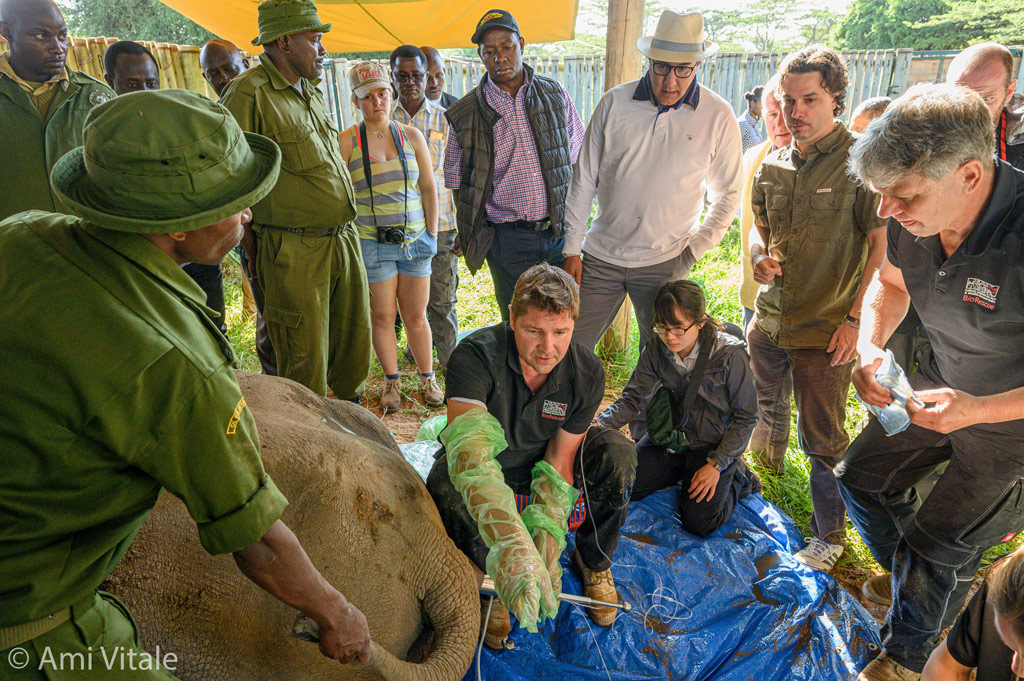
{"type": "Point", "coordinates": [380, 25]}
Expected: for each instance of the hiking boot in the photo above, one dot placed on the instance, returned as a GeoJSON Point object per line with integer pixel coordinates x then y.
{"type": "Point", "coordinates": [878, 589]}
{"type": "Point", "coordinates": [390, 398]}
{"type": "Point", "coordinates": [884, 668]}
{"type": "Point", "coordinates": [818, 554]}
{"type": "Point", "coordinates": [598, 586]}
{"type": "Point", "coordinates": [432, 394]}
{"type": "Point", "coordinates": [497, 625]}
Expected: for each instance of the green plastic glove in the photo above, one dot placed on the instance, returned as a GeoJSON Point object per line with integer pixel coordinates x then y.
{"type": "Point", "coordinates": [521, 577]}
{"type": "Point", "coordinates": [547, 518]}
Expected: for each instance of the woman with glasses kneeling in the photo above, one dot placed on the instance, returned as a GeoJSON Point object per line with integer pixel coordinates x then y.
{"type": "Point", "coordinates": [396, 215]}
{"type": "Point", "coordinates": [693, 385]}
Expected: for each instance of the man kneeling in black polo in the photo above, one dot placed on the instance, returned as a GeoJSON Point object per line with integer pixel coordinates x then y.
{"type": "Point", "coordinates": [543, 390]}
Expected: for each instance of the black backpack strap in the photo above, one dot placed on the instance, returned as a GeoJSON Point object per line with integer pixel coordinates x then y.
{"type": "Point", "coordinates": [696, 375]}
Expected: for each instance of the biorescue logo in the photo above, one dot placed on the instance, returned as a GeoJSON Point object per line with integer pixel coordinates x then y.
{"type": "Point", "coordinates": [981, 292]}
{"type": "Point", "coordinates": [554, 410]}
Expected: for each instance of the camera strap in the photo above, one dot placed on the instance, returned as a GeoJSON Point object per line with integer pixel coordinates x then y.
{"type": "Point", "coordinates": [364, 147]}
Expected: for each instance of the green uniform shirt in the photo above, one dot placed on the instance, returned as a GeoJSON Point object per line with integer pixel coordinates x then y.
{"type": "Point", "coordinates": [314, 189]}
{"type": "Point", "coordinates": [817, 217]}
{"type": "Point", "coordinates": [32, 143]}
{"type": "Point", "coordinates": [116, 384]}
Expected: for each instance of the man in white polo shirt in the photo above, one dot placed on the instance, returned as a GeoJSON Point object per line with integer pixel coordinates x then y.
{"type": "Point", "coordinates": [654, 146]}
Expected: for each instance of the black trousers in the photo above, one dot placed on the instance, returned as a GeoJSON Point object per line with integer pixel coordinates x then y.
{"type": "Point", "coordinates": [607, 462]}
{"type": "Point", "coordinates": [658, 468]}
{"type": "Point", "coordinates": [211, 280]}
{"type": "Point", "coordinates": [932, 544]}
{"type": "Point", "coordinates": [264, 349]}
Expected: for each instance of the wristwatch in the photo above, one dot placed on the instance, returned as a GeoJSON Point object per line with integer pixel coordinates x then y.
{"type": "Point", "coordinates": [714, 463]}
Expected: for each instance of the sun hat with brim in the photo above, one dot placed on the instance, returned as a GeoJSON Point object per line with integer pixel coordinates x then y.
{"type": "Point", "coordinates": [164, 161]}
{"type": "Point", "coordinates": [366, 76]}
{"type": "Point", "coordinates": [679, 38]}
{"type": "Point", "coordinates": [275, 18]}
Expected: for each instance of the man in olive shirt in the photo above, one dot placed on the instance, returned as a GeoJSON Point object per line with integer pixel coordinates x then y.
{"type": "Point", "coordinates": [147, 400]}
{"type": "Point", "coordinates": [308, 259]}
{"type": "Point", "coordinates": [43, 104]}
{"type": "Point", "coordinates": [815, 248]}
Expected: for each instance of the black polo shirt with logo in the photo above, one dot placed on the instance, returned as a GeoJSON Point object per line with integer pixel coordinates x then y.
{"type": "Point", "coordinates": [485, 368]}
{"type": "Point", "coordinates": [972, 303]}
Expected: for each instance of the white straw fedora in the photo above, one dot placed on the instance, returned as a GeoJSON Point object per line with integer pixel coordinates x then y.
{"type": "Point", "coordinates": [679, 38]}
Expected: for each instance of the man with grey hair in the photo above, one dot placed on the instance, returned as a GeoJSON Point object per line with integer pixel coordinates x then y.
{"type": "Point", "coordinates": [867, 111]}
{"type": "Point", "coordinates": [955, 250]}
{"type": "Point", "coordinates": [987, 68]}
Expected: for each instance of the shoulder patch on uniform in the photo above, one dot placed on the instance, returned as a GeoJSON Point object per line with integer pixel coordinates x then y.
{"type": "Point", "coordinates": [97, 97]}
{"type": "Point", "coordinates": [235, 417]}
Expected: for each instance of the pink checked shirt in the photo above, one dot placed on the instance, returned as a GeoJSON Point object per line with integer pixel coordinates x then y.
{"type": "Point", "coordinates": [519, 192]}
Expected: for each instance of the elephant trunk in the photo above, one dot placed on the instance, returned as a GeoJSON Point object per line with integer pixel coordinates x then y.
{"type": "Point", "coordinates": [452, 605]}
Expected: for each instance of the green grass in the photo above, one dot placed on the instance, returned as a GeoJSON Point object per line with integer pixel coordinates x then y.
{"type": "Point", "coordinates": [719, 272]}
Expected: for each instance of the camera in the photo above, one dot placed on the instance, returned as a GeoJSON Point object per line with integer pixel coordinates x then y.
{"type": "Point", "coordinates": [390, 235]}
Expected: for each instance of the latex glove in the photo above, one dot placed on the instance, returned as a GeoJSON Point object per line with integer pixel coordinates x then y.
{"type": "Point", "coordinates": [547, 518]}
{"type": "Point", "coordinates": [521, 578]}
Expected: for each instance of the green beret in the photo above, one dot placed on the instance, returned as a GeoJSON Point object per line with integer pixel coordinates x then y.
{"type": "Point", "coordinates": [284, 17]}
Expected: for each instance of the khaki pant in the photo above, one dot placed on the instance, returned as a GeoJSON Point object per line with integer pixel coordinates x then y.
{"type": "Point", "coordinates": [317, 308]}
{"type": "Point", "coordinates": [99, 643]}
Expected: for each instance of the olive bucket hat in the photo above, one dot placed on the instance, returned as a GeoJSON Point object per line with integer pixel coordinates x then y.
{"type": "Point", "coordinates": [164, 161]}
{"type": "Point", "coordinates": [275, 18]}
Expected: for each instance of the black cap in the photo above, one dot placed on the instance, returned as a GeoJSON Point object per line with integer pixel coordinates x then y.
{"type": "Point", "coordinates": [494, 18]}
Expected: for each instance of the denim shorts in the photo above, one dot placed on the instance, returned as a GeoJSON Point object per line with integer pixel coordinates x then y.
{"type": "Point", "coordinates": [384, 261]}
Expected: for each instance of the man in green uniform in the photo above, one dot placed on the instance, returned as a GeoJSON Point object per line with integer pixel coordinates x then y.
{"type": "Point", "coordinates": [43, 104]}
{"type": "Point", "coordinates": [317, 301]}
{"type": "Point", "coordinates": [147, 398]}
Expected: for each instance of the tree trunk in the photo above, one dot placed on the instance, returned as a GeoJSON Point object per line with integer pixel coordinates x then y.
{"type": "Point", "coordinates": [622, 63]}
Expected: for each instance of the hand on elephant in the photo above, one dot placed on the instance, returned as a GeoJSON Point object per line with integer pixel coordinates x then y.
{"type": "Point", "coordinates": [522, 580]}
{"type": "Point", "coordinates": [347, 639]}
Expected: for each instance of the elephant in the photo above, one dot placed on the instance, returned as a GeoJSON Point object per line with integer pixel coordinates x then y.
{"type": "Point", "coordinates": [368, 524]}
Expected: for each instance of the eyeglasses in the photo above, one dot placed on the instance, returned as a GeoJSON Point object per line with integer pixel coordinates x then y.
{"type": "Point", "coordinates": [677, 331]}
{"type": "Point", "coordinates": [410, 77]}
{"type": "Point", "coordinates": [661, 68]}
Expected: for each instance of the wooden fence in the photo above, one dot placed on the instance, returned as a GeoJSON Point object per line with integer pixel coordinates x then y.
{"type": "Point", "coordinates": [872, 73]}
{"type": "Point", "coordinates": [178, 64]}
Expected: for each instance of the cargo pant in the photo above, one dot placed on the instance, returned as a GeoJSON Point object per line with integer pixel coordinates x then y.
{"type": "Point", "coordinates": [100, 642]}
{"type": "Point", "coordinates": [609, 461]}
{"type": "Point", "coordinates": [444, 282]}
{"type": "Point", "coordinates": [932, 544]}
{"type": "Point", "coordinates": [317, 308]}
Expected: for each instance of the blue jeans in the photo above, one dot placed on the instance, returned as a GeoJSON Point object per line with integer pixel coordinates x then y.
{"type": "Point", "coordinates": [933, 544]}
{"type": "Point", "coordinates": [515, 250]}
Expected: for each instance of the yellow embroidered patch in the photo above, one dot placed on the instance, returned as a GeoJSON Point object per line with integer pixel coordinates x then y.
{"type": "Point", "coordinates": [488, 17]}
{"type": "Point", "coordinates": [233, 423]}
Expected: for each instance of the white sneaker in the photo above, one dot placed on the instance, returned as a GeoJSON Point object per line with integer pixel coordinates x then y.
{"type": "Point", "coordinates": [884, 668]}
{"type": "Point", "coordinates": [819, 554]}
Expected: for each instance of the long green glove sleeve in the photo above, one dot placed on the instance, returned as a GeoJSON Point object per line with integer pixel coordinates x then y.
{"type": "Point", "coordinates": [521, 577]}
{"type": "Point", "coordinates": [547, 517]}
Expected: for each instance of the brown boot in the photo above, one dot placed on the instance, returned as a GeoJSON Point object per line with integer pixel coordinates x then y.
{"type": "Point", "coordinates": [497, 626]}
{"type": "Point", "coordinates": [598, 586]}
{"type": "Point", "coordinates": [878, 589]}
{"type": "Point", "coordinates": [390, 399]}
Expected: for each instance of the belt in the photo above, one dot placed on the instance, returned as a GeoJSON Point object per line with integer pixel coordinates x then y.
{"type": "Point", "coordinates": [531, 225]}
{"type": "Point", "coordinates": [17, 634]}
{"type": "Point", "coordinates": [333, 230]}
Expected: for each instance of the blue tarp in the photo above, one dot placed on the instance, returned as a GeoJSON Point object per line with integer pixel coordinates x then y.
{"type": "Point", "coordinates": [747, 611]}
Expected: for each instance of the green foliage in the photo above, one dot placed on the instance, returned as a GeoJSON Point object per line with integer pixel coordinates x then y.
{"type": "Point", "coordinates": [976, 21]}
{"type": "Point", "coordinates": [132, 20]}
{"type": "Point", "coordinates": [930, 24]}
{"type": "Point", "coordinates": [769, 25]}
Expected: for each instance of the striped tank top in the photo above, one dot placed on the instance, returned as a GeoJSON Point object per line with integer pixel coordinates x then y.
{"type": "Point", "coordinates": [390, 192]}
